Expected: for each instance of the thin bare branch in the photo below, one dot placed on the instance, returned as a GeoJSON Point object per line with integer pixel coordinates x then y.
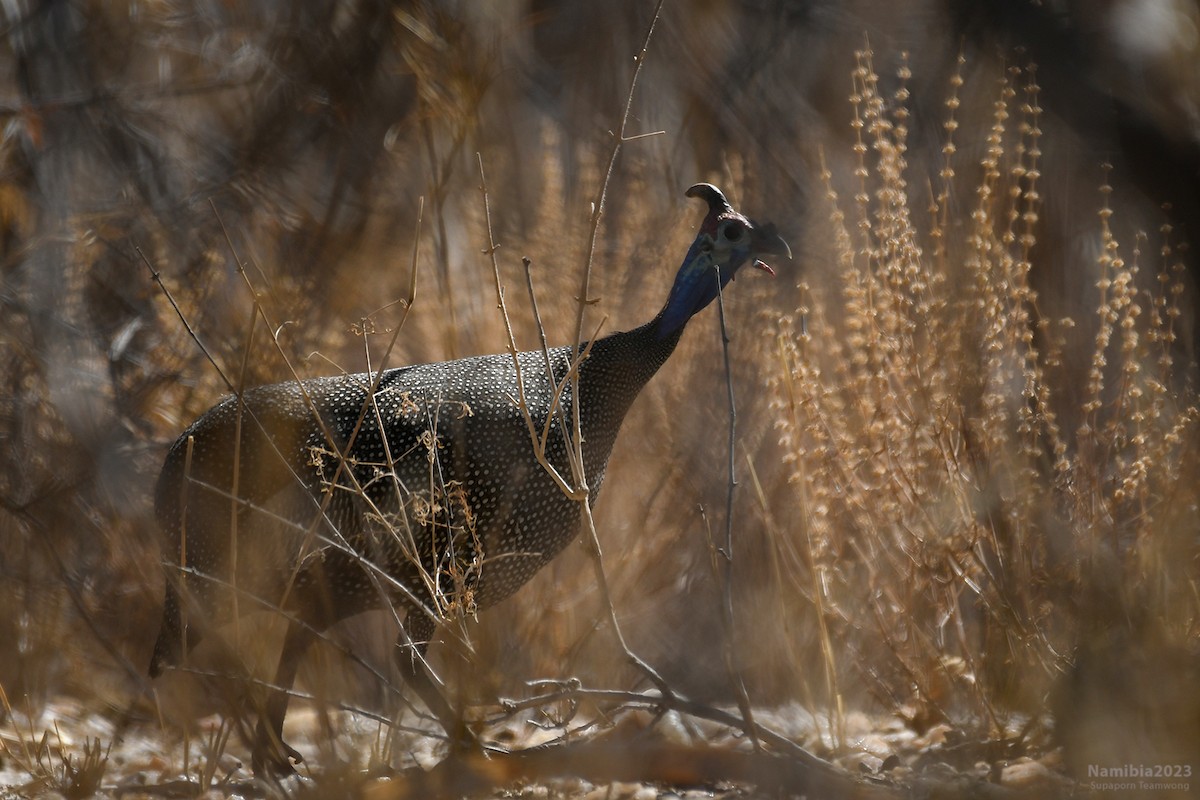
{"type": "Point", "coordinates": [539, 446]}
{"type": "Point", "coordinates": [727, 618]}
{"type": "Point", "coordinates": [591, 538]}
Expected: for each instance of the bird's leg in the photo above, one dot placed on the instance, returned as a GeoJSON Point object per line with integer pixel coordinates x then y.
{"type": "Point", "coordinates": [169, 645]}
{"type": "Point", "coordinates": [179, 632]}
{"type": "Point", "coordinates": [411, 645]}
{"type": "Point", "coordinates": [270, 753]}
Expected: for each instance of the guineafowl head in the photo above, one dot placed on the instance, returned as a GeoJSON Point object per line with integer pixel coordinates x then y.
{"type": "Point", "coordinates": [726, 242]}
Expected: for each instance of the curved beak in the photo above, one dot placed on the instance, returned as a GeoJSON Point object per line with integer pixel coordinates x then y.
{"type": "Point", "coordinates": [767, 241]}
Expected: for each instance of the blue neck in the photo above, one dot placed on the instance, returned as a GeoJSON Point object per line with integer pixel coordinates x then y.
{"type": "Point", "coordinates": [695, 288]}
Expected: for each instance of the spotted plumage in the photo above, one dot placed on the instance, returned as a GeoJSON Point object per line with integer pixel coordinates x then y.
{"type": "Point", "coordinates": [417, 488]}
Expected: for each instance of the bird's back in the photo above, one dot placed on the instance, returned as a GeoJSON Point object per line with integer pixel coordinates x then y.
{"type": "Point", "coordinates": [434, 482]}
{"type": "Point", "coordinates": [445, 456]}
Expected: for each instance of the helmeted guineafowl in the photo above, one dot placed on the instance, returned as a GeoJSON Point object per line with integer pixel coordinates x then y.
{"type": "Point", "coordinates": [424, 495]}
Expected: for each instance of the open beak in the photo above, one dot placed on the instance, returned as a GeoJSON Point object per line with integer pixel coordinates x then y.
{"type": "Point", "coordinates": [767, 241]}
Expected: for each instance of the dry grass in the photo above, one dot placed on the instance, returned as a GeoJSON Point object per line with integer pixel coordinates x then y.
{"type": "Point", "coordinates": [959, 520]}
{"type": "Point", "coordinates": [965, 520]}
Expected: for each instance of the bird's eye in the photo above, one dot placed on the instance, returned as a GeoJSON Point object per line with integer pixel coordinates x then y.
{"type": "Point", "coordinates": [733, 231]}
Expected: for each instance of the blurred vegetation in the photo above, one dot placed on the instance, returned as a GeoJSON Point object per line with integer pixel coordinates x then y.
{"type": "Point", "coordinates": [969, 431]}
